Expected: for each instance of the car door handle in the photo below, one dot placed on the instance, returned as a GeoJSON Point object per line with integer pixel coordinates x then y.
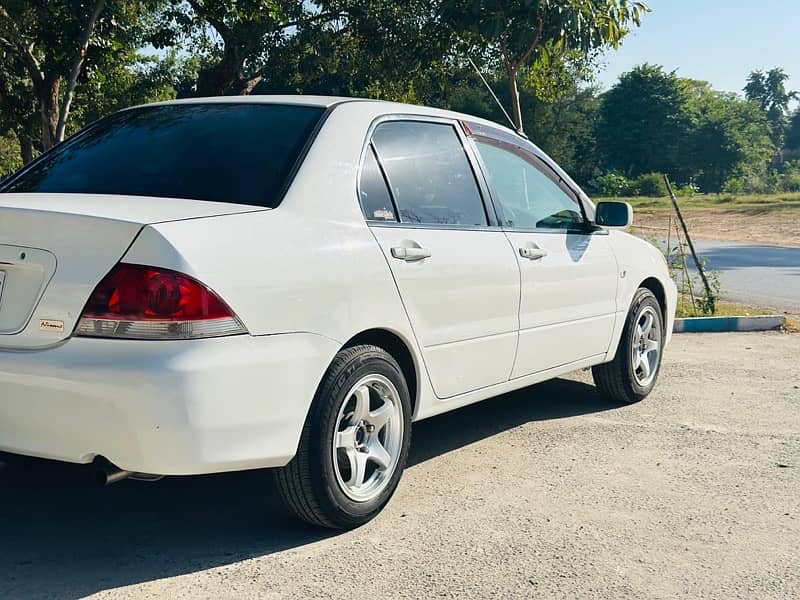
{"type": "Point", "coordinates": [532, 253]}
{"type": "Point", "coordinates": [410, 254]}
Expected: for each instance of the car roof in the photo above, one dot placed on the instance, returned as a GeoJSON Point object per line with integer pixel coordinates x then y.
{"type": "Point", "coordinates": [383, 106]}
{"type": "Point", "coordinates": [330, 101]}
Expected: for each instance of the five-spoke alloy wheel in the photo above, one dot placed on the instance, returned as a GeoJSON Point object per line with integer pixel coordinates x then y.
{"type": "Point", "coordinates": [369, 438]}
{"type": "Point", "coordinates": [631, 375]}
{"type": "Point", "coordinates": [354, 444]}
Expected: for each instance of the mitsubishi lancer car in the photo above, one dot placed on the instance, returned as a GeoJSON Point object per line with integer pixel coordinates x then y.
{"type": "Point", "coordinates": [291, 282]}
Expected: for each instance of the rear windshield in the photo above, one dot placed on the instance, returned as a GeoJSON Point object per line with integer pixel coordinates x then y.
{"type": "Point", "coordinates": [237, 153]}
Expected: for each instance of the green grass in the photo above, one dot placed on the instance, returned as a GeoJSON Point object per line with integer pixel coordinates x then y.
{"type": "Point", "coordinates": [726, 201]}
{"type": "Point", "coordinates": [724, 309]}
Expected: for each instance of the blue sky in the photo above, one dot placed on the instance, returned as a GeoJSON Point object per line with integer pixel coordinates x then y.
{"type": "Point", "coordinates": [719, 41]}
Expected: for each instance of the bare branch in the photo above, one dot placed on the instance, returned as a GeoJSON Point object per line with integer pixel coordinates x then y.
{"type": "Point", "coordinates": [504, 52]}
{"type": "Point", "coordinates": [319, 17]}
{"type": "Point", "coordinates": [86, 36]}
{"type": "Point", "coordinates": [250, 85]}
{"type": "Point", "coordinates": [525, 57]}
{"type": "Point", "coordinates": [24, 51]}
{"type": "Point", "coordinates": [218, 24]}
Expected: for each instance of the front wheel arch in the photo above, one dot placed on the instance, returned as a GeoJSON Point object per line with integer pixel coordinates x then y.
{"type": "Point", "coordinates": [655, 286]}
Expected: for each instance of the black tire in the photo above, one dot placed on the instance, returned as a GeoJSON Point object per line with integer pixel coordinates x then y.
{"type": "Point", "coordinates": [616, 379]}
{"type": "Point", "coordinates": [308, 484]}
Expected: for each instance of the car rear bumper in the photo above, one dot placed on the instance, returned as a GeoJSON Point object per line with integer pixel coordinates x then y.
{"type": "Point", "coordinates": [163, 407]}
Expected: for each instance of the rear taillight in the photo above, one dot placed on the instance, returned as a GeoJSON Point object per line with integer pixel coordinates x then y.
{"type": "Point", "coordinates": [148, 303]}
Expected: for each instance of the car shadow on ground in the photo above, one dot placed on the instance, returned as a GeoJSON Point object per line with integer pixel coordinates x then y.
{"type": "Point", "coordinates": [62, 536]}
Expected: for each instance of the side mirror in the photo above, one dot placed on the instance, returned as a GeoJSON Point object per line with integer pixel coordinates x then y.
{"type": "Point", "coordinates": [614, 214]}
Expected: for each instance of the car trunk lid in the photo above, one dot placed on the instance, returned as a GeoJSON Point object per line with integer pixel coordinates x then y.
{"type": "Point", "coordinates": [55, 248]}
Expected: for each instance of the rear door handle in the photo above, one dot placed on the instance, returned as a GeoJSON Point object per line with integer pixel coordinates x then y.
{"type": "Point", "coordinates": [410, 254]}
{"type": "Point", "coordinates": [532, 253]}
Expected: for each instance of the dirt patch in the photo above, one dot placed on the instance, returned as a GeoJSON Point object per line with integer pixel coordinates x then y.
{"type": "Point", "coordinates": [778, 227]}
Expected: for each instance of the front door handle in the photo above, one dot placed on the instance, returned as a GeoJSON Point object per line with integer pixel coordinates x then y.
{"type": "Point", "coordinates": [410, 254]}
{"type": "Point", "coordinates": [532, 253]}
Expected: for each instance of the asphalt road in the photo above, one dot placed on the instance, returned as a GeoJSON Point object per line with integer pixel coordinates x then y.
{"type": "Point", "coordinates": [547, 492]}
{"type": "Point", "coordinates": [766, 276]}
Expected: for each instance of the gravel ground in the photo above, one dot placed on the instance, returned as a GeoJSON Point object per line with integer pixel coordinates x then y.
{"type": "Point", "coordinates": [545, 492]}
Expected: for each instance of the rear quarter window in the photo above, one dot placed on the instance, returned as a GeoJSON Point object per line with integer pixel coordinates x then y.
{"type": "Point", "coordinates": [227, 152]}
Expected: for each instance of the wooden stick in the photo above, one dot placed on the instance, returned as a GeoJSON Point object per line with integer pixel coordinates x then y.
{"type": "Point", "coordinates": [687, 280]}
{"type": "Point", "coordinates": [709, 293]}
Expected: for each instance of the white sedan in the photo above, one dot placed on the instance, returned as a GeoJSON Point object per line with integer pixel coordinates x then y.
{"type": "Point", "coordinates": [235, 283]}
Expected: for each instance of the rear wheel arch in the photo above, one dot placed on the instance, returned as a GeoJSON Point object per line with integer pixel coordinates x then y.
{"type": "Point", "coordinates": [400, 350]}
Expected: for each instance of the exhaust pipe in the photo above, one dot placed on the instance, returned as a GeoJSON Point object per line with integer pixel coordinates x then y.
{"type": "Point", "coordinates": [110, 474]}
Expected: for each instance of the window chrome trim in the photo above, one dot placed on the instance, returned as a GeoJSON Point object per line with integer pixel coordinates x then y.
{"type": "Point", "coordinates": [436, 226]}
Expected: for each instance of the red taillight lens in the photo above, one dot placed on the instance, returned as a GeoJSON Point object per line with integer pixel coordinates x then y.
{"type": "Point", "coordinates": [143, 293]}
{"type": "Point", "coordinates": [142, 302]}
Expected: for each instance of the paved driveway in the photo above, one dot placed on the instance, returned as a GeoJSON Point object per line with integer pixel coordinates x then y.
{"type": "Point", "coordinates": [547, 492]}
{"type": "Point", "coordinates": [760, 275]}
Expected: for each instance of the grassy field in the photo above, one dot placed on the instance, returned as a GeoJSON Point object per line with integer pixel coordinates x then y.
{"type": "Point", "coordinates": [722, 201]}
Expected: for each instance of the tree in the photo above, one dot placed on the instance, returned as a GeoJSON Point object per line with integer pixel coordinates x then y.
{"type": "Point", "coordinates": [18, 114]}
{"type": "Point", "coordinates": [378, 48]}
{"type": "Point", "coordinates": [237, 41]}
{"type": "Point", "coordinates": [56, 41]}
{"type": "Point", "coordinates": [769, 90]}
{"type": "Point", "coordinates": [10, 159]}
{"type": "Point", "coordinates": [644, 124]}
{"type": "Point", "coordinates": [515, 34]}
{"type": "Point", "coordinates": [730, 138]}
{"type": "Point", "coordinates": [792, 141]}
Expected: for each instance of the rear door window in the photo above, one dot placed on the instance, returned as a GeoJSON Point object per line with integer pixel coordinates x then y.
{"type": "Point", "coordinates": [225, 152]}
{"type": "Point", "coordinates": [429, 174]}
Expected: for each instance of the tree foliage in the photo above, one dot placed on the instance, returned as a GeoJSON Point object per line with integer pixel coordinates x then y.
{"type": "Point", "coordinates": [56, 44]}
{"type": "Point", "coordinates": [538, 55]}
{"type": "Point", "coordinates": [769, 90]}
{"type": "Point", "coordinates": [515, 34]}
{"type": "Point", "coordinates": [644, 123]}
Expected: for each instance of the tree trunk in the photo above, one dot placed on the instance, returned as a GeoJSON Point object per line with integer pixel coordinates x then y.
{"type": "Point", "coordinates": [223, 77]}
{"type": "Point", "coordinates": [515, 105]}
{"type": "Point", "coordinates": [25, 147]}
{"type": "Point", "coordinates": [48, 95]}
{"type": "Point", "coordinates": [83, 47]}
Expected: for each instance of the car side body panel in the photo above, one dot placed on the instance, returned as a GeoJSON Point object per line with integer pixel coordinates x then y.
{"type": "Point", "coordinates": [639, 261]}
{"type": "Point", "coordinates": [568, 299]}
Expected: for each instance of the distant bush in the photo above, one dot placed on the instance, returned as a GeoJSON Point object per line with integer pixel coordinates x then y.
{"type": "Point", "coordinates": [690, 189]}
{"type": "Point", "coordinates": [613, 184]}
{"type": "Point", "coordinates": [791, 177]}
{"type": "Point", "coordinates": [756, 183]}
{"type": "Point", "coordinates": [649, 184]}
